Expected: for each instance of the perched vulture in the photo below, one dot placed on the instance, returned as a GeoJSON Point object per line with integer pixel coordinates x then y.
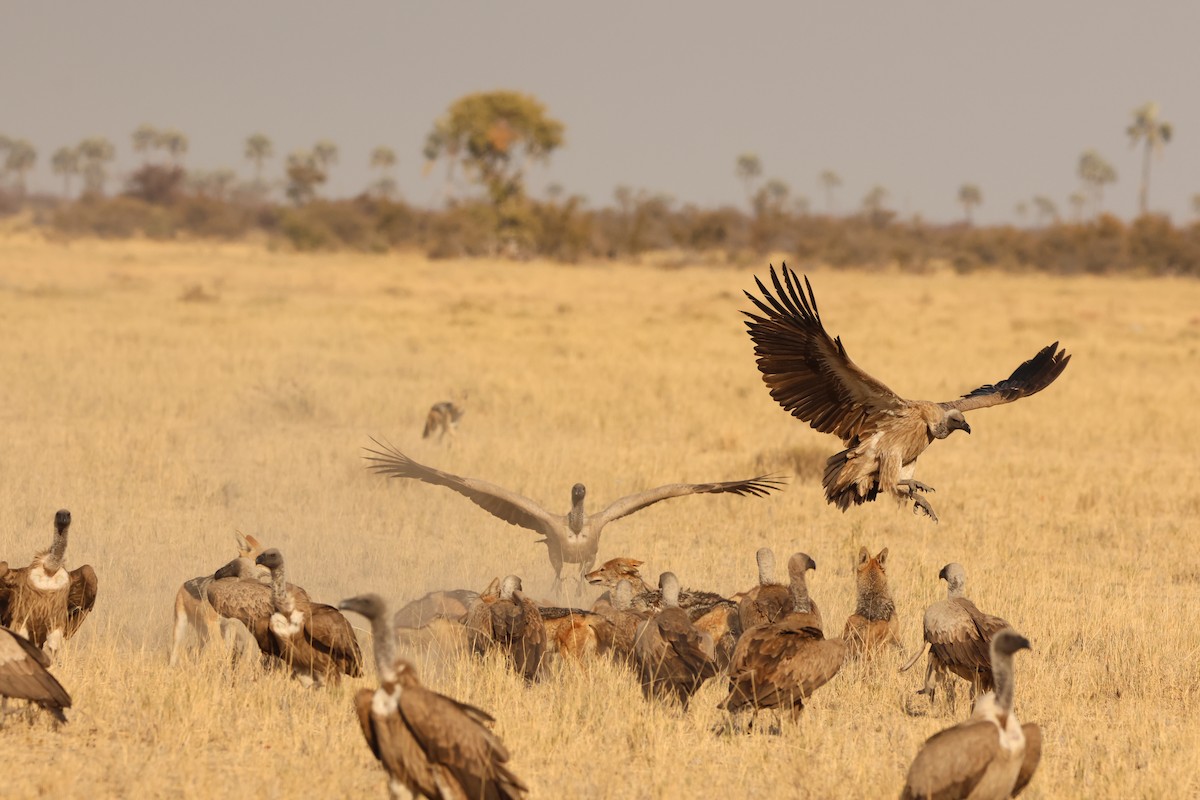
{"type": "Point", "coordinates": [990, 756]}
{"type": "Point", "coordinates": [798, 566]}
{"type": "Point", "coordinates": [768, 601]}
{"type": "Point", "coordinates": [431, 745]}
{"type": "Point", "coordinates": [314, 639]}
{"type": "Point", "coordinates": [713, 614]}
{"type": "Point", "coordinates": [624, 619]}
{"type": "Point", "coordinates": [514, 624]}
{"type": "Point", "coordinates": [571, 538]}
{"type": "Point", "coordinates": [673, 656]}
{"type": "Point", "coordinates": [43, 601]}
{"type": "Point", "coordinates": [873, 622]}
{"type": "Point", "coordinates": [194, 612]}
{"type": "Point", "coordinates": [958, 636]}
{"type": "Point", "coordinates": [442, 419]}
{"type": "Point", "coordinates": [478, 621]}
{"type": "Point", "coordinates": [810, 374]}
{"type": "Point", "coordinates": [24, 675]}
{"type": "Point", "coordinates": [780, 665]}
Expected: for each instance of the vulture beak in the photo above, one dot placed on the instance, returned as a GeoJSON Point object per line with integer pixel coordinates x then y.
{"type": "Point", "coordinates": [966, 426]}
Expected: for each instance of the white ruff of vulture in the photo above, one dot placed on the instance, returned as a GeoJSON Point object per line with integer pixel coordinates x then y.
{"type": "Point", "coordinates": [24, 675]}
{"type": "Point", "coordinates": [431, 745]}
{"type": "Point", "coordinates": [990, 756]}
{"type": "Point", "coordinates": [571, 538]}
{"type": "Point", "coordinates": [810, 374]}
{"type": "Point", "coordinates": [314, 639]}
{"type": "Point", "coordinates": [958, 636]}
{"type": "Point", "coordinates": [44, 602]}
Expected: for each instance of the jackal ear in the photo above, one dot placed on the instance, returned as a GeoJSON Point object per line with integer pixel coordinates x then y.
{"type": "Point", "coordinates": [882, 557]}
{"type": "Point", "coordinates": [243, 546]}
{"type": "Point", "coordinates": [254, 545]}
{"type": "Point", "coordinates": [863, 556]}
{"type": "Point", "coordinates": [633, 562]}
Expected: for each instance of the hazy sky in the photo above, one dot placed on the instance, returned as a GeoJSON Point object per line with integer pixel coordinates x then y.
{"type": "Point", "coordinates": [916, 97]}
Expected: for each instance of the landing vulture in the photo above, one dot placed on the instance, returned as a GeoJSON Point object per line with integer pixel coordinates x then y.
{"type": "Point", "coordinates": [810, 374]}
{"type": "Point", "coordinates": [571, 538]}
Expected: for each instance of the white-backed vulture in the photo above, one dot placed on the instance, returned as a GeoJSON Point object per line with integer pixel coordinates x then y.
{"type": "Point", "coordinates": [768, 600]}
{"type": "Point", "coordinates": [798, 566]}
{"type": "Point", "coordinates": [990, 756]}
{"type": "Point", "coordinates": [780, 665]}
{"type": "Point", "coordinates": [240, 593]}
{"type": "Point", "coordinates": [516, 627]}
{"type": "Point", "coordinates": [873, 623]}
{"type": "Point", "coordinates": [442, 419]}
{"type": "Point", "coordinates": [624, 619]}
{"type": "Point", "coordinates": [429, 744]}
{"type": "Point", "coordinates": [314, 639]}
{"type": "Point", "coordinates": [673, 656]}
{"type": "Point", "coordinates": [24, 675]}
{"type": "Point", "coordinates": [571, 538]}
{"type": "Point", "coordinates": [809, 373]}
{"type": "Point", "coordinates": [710, 612]}
{"type": "Point", "coordinates": [958, 636]}
{"type": "Point", "coordinates": [43, 601]}
{"type": "Point", "coordinates": [193, 611]}
{"type": "Point", "coordinates": [478, 622]}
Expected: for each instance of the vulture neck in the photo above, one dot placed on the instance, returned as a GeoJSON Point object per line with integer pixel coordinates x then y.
{"type": "Point", "coordinates": [575, 516]}
{"type": "Point", "coordinates": [766, 567]}
{"type": "Point", "coordinates": [58, 550]}
{"type": "Point", "coordinates": [279, 593]}
{"type": "Point", "coordinates": [1002, 672]}
{"type": "Point", "coordinates": [800, 599]}
{"type": "Point", "coordinates": [955, 590]}
{"type": "Point", "coordinates": [385, 648]}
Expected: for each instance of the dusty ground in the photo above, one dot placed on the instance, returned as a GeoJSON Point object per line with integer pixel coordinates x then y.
{"type": "Point", "coordinates": [170, 394]}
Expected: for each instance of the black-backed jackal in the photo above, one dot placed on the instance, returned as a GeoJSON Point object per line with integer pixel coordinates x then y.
{"type": "Point", "coordinates": [442, 419]}
{"type": "Point", "coordinates": [194, 613]}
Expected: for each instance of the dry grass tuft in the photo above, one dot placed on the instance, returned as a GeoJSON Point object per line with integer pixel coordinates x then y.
{"type": "Point", "coordinates": [166, 425]}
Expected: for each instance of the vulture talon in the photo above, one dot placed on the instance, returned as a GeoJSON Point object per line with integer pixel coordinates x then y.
{"type": "Point", "coordinates": [915, 486]}
{"type": "Point", "coordinates": [921, 505]}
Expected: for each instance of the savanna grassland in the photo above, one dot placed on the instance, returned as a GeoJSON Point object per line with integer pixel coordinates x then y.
{"type": "Point", "coordinates": [169, 395]}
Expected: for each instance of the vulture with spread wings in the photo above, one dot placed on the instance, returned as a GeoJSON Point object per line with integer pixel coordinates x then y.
{"type": "Point", "coordinates": [810, 374]}
{"type": "Point", "coordinates": [571, 538]}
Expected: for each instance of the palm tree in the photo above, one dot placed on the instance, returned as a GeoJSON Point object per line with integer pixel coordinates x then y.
{"type": "Point", "coordinates": [1153, 133]}
{"type": "Point", "coordinates": [1078, 201]}
{"type": "Point", "coordinates": [830, 180]}
{"type": "Point", "coordinates": [1094, 171]}
{"type": "Point", "coordinates": [175, 142]}
{"type": "Point", "coordinates": [94, 154]}
{"type": "Point", "coordinates": [384, 159]}
{"type": "Point", "coordinates": [749, 168]}
{"type": "Point", "coordinates": [326, 153]}
{"type": "Point", "coordinates": [146, 139]}
{"type": "Point", "coordinates": [65, 162]}
{"type": "Point", "coordinates": [1022, 209]}
{"type": "Point", "coordinates": [969, 196]}
{"type": "Point", "coordinates": [304, 174]}
{"type": "Point", "coordinates": [1045, 209]}
{"type": "Point", "coordinates": [258, 149]}
{"type": "Point", "coordinates": [20, 159]}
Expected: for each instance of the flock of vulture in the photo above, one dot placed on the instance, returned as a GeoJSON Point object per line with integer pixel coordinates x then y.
{"type": "Point", "coordinates": [768, 643]}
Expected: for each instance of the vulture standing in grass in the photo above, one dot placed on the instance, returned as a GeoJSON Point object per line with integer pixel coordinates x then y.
{"type": "Point", "coordinates": [990, 756]}
{"type": "Point", "coordinates": [571, 538]}
{"type": "Point", "coordinates": [314, 639]}
{"type": "Point", "coordinates": [431, 745]}
{"type": "Point", "coordinates": [24, 675]}
{"type": "Point", "coordinates": [810, 374]}
{"type": "Point", "coordinates": [241, 592]}
{"type": "Point", "coordinates": [43, 601]}
{"type": "Point", "coordinates": [624, 619]}
{"type": "Point", "coordinates": [507, 619]}
{"type": "Point", "coordinates": [673, 656]}
{"type": "Point", "coordinates": [958, 636]}
{"type": "Point", "coordinates": [768, 601]}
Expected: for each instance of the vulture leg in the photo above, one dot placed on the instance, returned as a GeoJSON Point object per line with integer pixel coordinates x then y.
{"type": "Point", "coordinates": [921, 505]}
{"type": "Point", "coordinates": [915, 486]}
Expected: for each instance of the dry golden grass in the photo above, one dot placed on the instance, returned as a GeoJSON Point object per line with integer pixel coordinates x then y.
{"type": "Point", "coordinates": [169, 395]}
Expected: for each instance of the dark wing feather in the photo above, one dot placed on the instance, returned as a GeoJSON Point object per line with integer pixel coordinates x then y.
{"type": "Point", "coordinates": [754, 487]}
{"type": "Point", "coordinates": [24, 675]}
{"type": "Point", "coordinates": [808, 372]}
{"type": "Point", "coordinates": [497, 501]}
{"type": "Point", "coordinates": [952, 762]}
{"type": "Point", "coordinates": [1030, 378]}
{"type": "Point", "coordinates": [1033, 756]}
{"type": "Point", "coordinates": [80, 598]}
{"type": "Point", "coordinates": [329, 632]}
{"type": "Point", "coordinates": [7, 582]}
{"type": "Point", "coordinates": [362, 706]}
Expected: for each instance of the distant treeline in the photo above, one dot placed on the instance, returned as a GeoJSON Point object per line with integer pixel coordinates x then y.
{"type": "Point", "coordinates": [159, 203]}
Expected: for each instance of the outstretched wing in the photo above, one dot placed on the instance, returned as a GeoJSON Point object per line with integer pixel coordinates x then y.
{"type": "Point", "coordinates": [1030, 378]}
{"type": "Point", "coordinates": [497, 501]}
{"type": "Point", "coordinates": [761, 486]}
{"type": "Point", "coordinates": [807, 371]}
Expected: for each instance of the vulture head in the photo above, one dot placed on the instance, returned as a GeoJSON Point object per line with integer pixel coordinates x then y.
{"type": "Point", "coordinates": [370, 606]}
{"type": "Point", "coordinates": [511, 585]}
{"type": "Point", "coordinates": [62, 520]}
{"type": "Point", "coordinates": [800, 563]}
{"type": "Point", "coordinates": [955, 576]}
{"type": "Point", "coordinates": [271, 559]}
{"type": "Point", "coordinates": [766, 565]}
{"type": "Point", "coordinates": [238, 568]}
{"type": "Point", "coordinates": [1008, 641]}
{"type": "Point", "coordinates": [578, 492]}
{"type": "Point", "coordinates": [623, 595]}
{"type": "Point", "coordinates": [669, 584]}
